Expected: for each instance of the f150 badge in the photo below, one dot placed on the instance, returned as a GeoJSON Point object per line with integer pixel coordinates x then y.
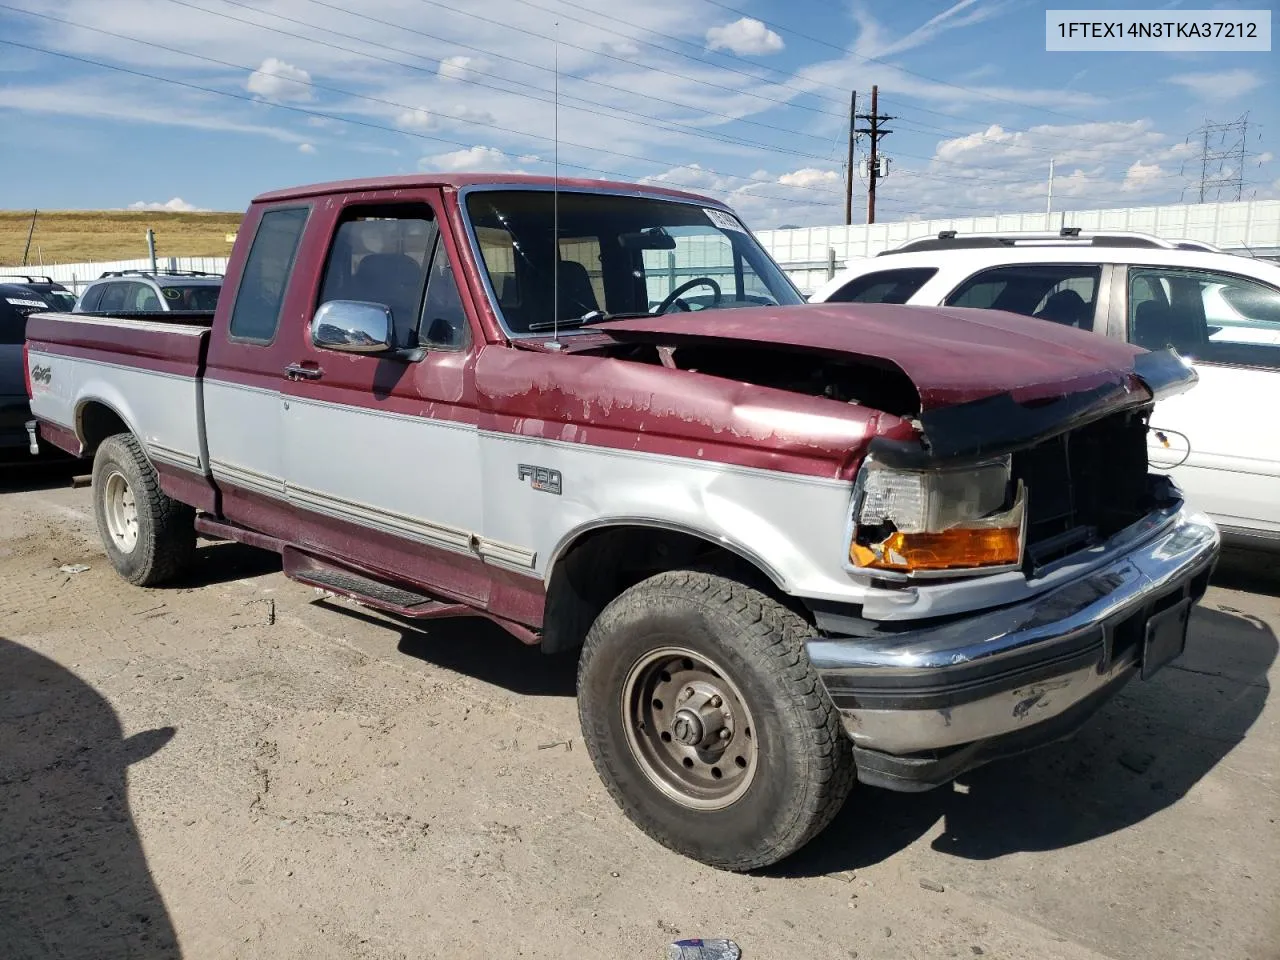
{"type": "Point", "coordinates": [41, 375]}
{"type": "Point", "coordinates": [540, 478]}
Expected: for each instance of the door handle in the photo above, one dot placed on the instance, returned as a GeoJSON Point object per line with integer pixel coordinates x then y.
{"type": "Point", "coordinates": [297, 371]}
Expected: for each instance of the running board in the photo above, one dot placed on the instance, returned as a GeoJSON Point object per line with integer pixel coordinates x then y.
{"type": "Point", "coordinates": [377, 594]}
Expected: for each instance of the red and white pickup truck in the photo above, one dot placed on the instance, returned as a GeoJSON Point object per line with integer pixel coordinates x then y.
{"type": "Point", "coordinates": [797, 543]}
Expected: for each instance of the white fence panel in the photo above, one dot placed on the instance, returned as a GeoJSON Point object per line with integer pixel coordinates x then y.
{"type": "Point", "coordinates": [812, 254]}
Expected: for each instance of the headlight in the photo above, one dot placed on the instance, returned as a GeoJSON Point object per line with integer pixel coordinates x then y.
{"type": "Point", "coordinates": [937, 520]}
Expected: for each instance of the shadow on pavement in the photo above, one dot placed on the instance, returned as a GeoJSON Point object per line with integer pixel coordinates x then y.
{"type": "Point", "coordinates": [73, 877]}
{"type": "Point", "coordinates": [478, 648]}
{"type": "Point", "coordinates": [47, 472]}
{"type": "Point", "coordinates": [223, 561]}
{"type": "Point", "coordinates": [1253, 571]}
{"type": "Point", "coordinates": [1140, 754]}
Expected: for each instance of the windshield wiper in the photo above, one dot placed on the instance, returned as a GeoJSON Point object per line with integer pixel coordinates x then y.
{"type": "Point", "coordinates": [591, 316]}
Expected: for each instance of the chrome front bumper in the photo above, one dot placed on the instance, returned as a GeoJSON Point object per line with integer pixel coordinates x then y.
{"type": "Point", "coordinates": [937, 695]}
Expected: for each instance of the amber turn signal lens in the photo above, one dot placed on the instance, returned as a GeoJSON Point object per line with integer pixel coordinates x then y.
{"type": "Point", "coordinates": [956, 549]}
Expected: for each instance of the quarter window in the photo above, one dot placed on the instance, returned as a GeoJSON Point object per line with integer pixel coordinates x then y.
{"type": "Point", "coordinates": [256, 313]}
{"type": "Point", "coordinates": [92, 297]}
{"type": "Point", "coordinates": [145, 299]}
{"type": "Point", "coordinates": [1217, 318]}
{"type": "Point", "coordinates": [884, 286]}
{"type": "Point", "coordinates": [1066, 294]}
{"type": "Point", "coordinates": [444, 322]}
{"type": "Point", "coordinates": [113, 297]}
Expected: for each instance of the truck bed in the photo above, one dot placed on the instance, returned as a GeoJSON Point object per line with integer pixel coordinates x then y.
{"type": "Point", "coordinates": [146, 372]}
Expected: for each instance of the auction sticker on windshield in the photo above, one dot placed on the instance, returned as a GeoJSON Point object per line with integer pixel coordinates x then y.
{"type": "Point", "coordinates": [1197, 31]}
{"type": "Point", "coordinates": [725, 221]}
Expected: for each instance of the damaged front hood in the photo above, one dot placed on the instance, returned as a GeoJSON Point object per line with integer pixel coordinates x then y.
{"type": "Point", "coordinates": [951, 355]}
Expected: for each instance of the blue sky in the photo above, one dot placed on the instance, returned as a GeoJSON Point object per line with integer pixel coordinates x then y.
{"type": "Point", "coordinates": [745, 99]}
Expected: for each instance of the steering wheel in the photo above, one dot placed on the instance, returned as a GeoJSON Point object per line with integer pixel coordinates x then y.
{"type": "Point", "coordinates": [674, 296]}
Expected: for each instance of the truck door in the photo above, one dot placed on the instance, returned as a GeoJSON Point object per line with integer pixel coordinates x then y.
{"type": "Point", "coordinates": [382, 456]}
{"type": "Point", "coordinates": [242, 402]}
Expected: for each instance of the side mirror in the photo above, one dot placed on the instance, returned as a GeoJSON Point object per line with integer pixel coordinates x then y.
{"type": "Point", "coordinates": [352, 326]}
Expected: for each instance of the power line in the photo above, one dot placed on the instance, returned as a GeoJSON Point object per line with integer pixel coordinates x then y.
{"type": "Point", "coordinates": [525, 63]}
{"type": "Point", "coordinates": [701, 59]}
{"type": "Point", "coordinates": [349, 93]}
{"type": "Point", "coordinates": [667, 36]}
{"type": "Point", "coordinates": [925, 175]}
{"type": "Point", "coordinates": [305, 111]}
{"type": "Point", "coordinates": [922, 76]}
{"type": "Point", "coordinates": [630, 63]}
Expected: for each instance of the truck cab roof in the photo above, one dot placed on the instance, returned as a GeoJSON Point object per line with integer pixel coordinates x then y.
{"type": "Point", "coordinates": [458, 181]}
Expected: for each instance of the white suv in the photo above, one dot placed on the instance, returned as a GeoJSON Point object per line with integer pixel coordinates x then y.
{"type": "Point", "coordinates": [137, 291]}
{"type": "Point", "coordinates": [1219, 311]}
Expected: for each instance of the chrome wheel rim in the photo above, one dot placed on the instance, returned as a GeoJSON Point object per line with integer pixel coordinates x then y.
{"type": "Point", "coordinates": [689, 728]}
{"type": "Point", "coordinates": [121, 513]}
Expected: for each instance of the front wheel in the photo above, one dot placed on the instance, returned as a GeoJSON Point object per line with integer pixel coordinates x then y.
{"type": "Point", "coordinates": [149, 536]}
{"type": "Point", "coordinates": [707, 723]}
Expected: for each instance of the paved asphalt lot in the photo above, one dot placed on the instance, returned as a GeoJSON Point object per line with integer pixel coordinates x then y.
{"type": "Point", "coordinates": [235, 767]}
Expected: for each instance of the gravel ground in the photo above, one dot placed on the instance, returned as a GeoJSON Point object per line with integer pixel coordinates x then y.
{"type": "Point", "coordinates": [236, 767]}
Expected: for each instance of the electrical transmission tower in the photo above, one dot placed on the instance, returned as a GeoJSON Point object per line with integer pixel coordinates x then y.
{"type": "Point", "coordinates": [1223, 151]}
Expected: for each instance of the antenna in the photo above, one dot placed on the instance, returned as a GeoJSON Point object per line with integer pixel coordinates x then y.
{"type": "Point", "coordinates": [555, 205]}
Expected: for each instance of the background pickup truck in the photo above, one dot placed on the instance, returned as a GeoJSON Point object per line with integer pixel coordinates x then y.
{"type": "Point", "coordinates": [796, 545]}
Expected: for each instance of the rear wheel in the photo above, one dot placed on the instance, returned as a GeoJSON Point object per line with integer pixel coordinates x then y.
{"type": "Point", "coordinates": [707, 723]}
{"type": "Point", "coordinates": [149, 536]}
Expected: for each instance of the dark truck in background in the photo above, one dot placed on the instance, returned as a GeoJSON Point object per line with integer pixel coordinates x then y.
{"type": "Point", "coordinates": [796, 544]}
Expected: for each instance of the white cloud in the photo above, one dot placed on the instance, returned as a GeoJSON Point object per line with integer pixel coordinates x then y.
{"type": "Point", "coordinates": [176, 205]}
{"type": "Point", "coordinates": [875, 42]}
{"type": "Point", "coordinates": [472, 158]}
{"type": "Point", "coordinates": [455, 68]}
{"type": "Point", "coordinates": [417, 119]}
{"type": "Point", "coordinates": [1265, 157]}
{"type": "Point", "coordinates": [277, 80]}
{"type": "Point", "coordinates": [963, 13]}
{"type": "Point", "coordinates": [114, 103]}
{"type": "Point", "coordinates": [744, 36]}
{"type": "Point", "coordinates": [809, 177]}
{"type": "Point", "coordinates": [1141, 175]}
{"type": "Point", "coordinates": [462, 112]}
{"type": "Point", "coordinates": [307, 148]}
{"type": "Point", "coordinates": [1224, 85]}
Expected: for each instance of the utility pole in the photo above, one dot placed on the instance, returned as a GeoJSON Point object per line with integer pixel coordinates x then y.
{"type": "Point", "coordinates": [875, 131]}
{"type": "Point", "coordinates": [1048, 207]}
{"type": "Point", "coordinates": [26, 251]}
{"type": "Point", "coordinates": [848, 173]}
{"type": "Point", "coordinates": [151, 248]}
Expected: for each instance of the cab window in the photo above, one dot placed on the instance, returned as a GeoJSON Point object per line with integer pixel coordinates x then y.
{"type": "Point", "coordinates": [381, 255]}
{"type": "Point", "coordinates": [256, 313]}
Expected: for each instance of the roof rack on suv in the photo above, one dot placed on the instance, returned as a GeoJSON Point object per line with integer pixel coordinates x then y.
{"type": "Point", "coordinates": [158, 273]}
{"type": "Point", "coordinates": [27, 278]}
{"type": "Point", "coordinates": [1068, 236]}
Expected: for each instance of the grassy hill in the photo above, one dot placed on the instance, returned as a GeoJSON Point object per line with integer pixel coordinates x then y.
{"type": "Point", "coordinates": [77, 236]}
